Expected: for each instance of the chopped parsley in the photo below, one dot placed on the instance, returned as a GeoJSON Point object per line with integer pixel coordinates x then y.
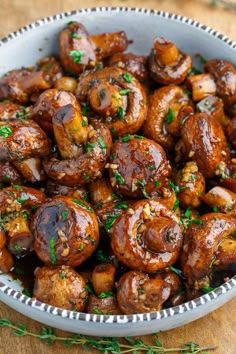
{"type": "Point", "coordinates": [169, 117]}
{"type": "Point", "coordinates": [125, 138]}
{"type": "Point", "coordinates": [156, 183]}
{"type": "Point", "coordinates": [121, 205]}
{"type": "Point", "coordinates": [100, 256]}
{"type": "Point", "coordinates": [89, 146]}
{"type": "Point", "coordinates": [84, 110]}
{"type": "Point", "coordinates": [17, 247]}
{"type": "Point", "coordinates": [176, 204]}
{"type": "Point", "coordinates": [120, 112]}
{"type": "Point", "coordinates": [5, 131]}
{"type": "Point", "coordinates": [206, 289]}
{"type": "Point", "coordinates": [52, 250]}
{"type": "Point", "coordinates": [102, 145]}
{"type": "Point", "coordinates": [64, 215]}
{"type": "Point", "coordinates": [118, 177]}
{"type": "Point", "coordinates": [109, 222]}
{"type": "Point", "coordinates": [128, 77]}
{"type": "Point", "coordinates": [16, 186]}
{"type": "Point", "coordinates": [83, 205]}
{"type": "Point", "coordinates": [22, 199]}
{"type": "Point", "coordinates": [76, 55]}
{"type": "Point", "coordinates": [102, 94]}
{"type": "Point", "coordinates": [124, 91]}
{"type": "Point", "coordinates": [177, 271]}
{"type": "Point", "coordinates": [81, 247]}
{"type": "Point", "coordinates": [138, 136]}
{"type": "Point", "coordinates": [89, 238]}
{"type": "Point", "coordinates": [74, 35]}
{"type": "Point", "coordinates": [105, 294]}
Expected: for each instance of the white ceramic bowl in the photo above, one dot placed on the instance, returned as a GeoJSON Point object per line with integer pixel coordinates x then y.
{"type": "Point", "coordinates": [32, 42]}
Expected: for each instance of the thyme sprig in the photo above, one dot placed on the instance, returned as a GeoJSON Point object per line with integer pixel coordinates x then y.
{"type": "Point", "coordinates": [104, 345]}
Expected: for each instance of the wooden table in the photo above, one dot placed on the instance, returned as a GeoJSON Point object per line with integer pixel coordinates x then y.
{"type": "Point", "coordinates": [218, 327]}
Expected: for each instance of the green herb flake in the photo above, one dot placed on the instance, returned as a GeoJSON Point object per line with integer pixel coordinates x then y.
{"type": "Point", "coordinates": [84, 124]}
{"type": "Point", "coordinates": [125, 138]}
{"type": "Point", "coordinates": [169, 117]}
{"type": "Point", "coordinates": [234, 234]}
{"type": "Point", "coordinates": [121, 205]}
{"type": "Point", "coordinates": [74, 35]}
{"type": "Point", "coordinates": [99, 312]}
{"type": "Point", "coordinates": [176, 204]}
{"type": "Point", "coordinates": [89, 146]}
{"type": "Point", "coordinates": [202, 59]}
{"type": "Point", "coordinates": [187, 213]}
{"type": "Point", "coordinates": [102, 145]}
{"type": "Point", "coordinates": [128, 77]}
{"type": "Point", "coordinates": [22, 199]}
{"type": "Point", "coordinates": [174, 187]}
{"type": "Point", "coordinates": [100, 256]}
{"type": "Point", "coordinates": [156, 183]}
{"type": "Point", "coordinates": [6, 178]}
{"type": "Point", "coordinates": [138, 137]}
{"type": "Point", "coordinates": [118, 177]}
{"type": "Point", "coordinates": [5, 131]}
{"type": "Point", "coordinates": [84, 110]}
{"type": "Point", "coordinates": [76, 55]}
{"type": "Point", "coordinates": [177, 271]}
{"type": "Point", "coordinates": [81, 247]}
{"type": "Point", "coordinates": [17, 187]}
{"type": "Point", "coordinates": [89, 288]}
{"type": "Point", "coordinates": [153, 167]}
{"type": "Point", "coordinates": [17, 247]}
{"type": "Point", "coordinates": [215, 209]}
{"type": "Point", "coordinates": [52, 250]}
{"type": "Point", "coordinates": [89, 238]}
{"type": "Point", "coordinates": [124, 91]}
{"type": "Point", "coordinates": [120, 112]}
{"type": "Point", "coordinates": [206, 289]}
{"type": "Point", "coordinates": [105, 294]}
{"type": "Point", "coordinates": [62, 275]}
{"type": "Point", "coordinates": [109, 222]}
{"type": "Point", "coordinates": [193, 71]}
{"type": "Point", "coordinates": [26, 292]}
{"type": "Point", "coordinates": [102, 94]}
{"type": "Point", "coordinates": [83, 205]}
{"type": "Point", "coordinates": [64, 215]}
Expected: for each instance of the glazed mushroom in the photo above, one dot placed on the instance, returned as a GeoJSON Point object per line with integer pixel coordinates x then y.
{"type": "Point", "coordinates": [53, 190]}
{"type": "Point", "coordinates": [131, 63]}
{"type": "Point", "coordinates": [65, 231]}
{"type": "Point", "coordinates": [47, 105]}
{"type": "Point", "coordinates": [190, 185]}
{"type": "Point", "coordinates": [120, 102]}
{"type": "Point", "coordinates": [214, 107]}
{"type": "Point", "coordinates": [102, 306]}
{"type": "Point", "coordinates": [6, 259]}
{"type": "Point", "coordinates": [147, 236]}
{"type": "Point", "coordinates": [220, 198]}
{"type": "Point", "coordinates": [8, 174]}
{"type": "Point", "coordinates": [31, 169]}
{"type": "Point", "coordinates": [84, 149]}
{"type": "Point", "coordinates": [137, 167]}
{"type": "Point", "coordinates": [103, 279]}
{"type": "Point", "coordinates": [16, 205]}
{"type": "Point", "coordinates": [201, 243]}
{"type": "Point", "coordinates": [138, 293]}
{"type": "Point", "coordinates": [80, 51]}
{"type": "Point", "coordinates": [21, 140]}
{"type": "Point", "coordinates": [224, 74]}
{"type": "Point", "coordinates": [164, 115]}
{"type": "Point", "coordinates": [60, 286]}
{"type": "Point", "coordinates": [11, 111]}
{"type": "Point", "coordinates": [19, 85]}
{"type": "Point", "coordinates": [167, 64]}
{"type": "Point", "coordinates": [205, 143]}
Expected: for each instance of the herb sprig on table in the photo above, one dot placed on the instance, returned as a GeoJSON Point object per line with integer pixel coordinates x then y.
{"type": "Point", "coordinates": [104, 345]}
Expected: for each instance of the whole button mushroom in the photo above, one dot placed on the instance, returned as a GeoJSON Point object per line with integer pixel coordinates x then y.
{"type": "Point", "coordinates": [65, 231]}
{"type": "Point", "coordinates": [147, 236]}
{"type": "Point", "coordinates": [60, 286]}
{"type": "Point", "coordinates": [80, 51]}
{"type": "Point", "coordinates": [168, 64]}
{"type": "Point", "coordinates": [116, 97]}
{"type": "Point", "coordinates": [138, 293]}
{"type": "Point", "coordinates": [138, 166]}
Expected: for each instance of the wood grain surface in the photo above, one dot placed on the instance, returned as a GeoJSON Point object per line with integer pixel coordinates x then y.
{"type": "Point", "coordinates": [216, 328]}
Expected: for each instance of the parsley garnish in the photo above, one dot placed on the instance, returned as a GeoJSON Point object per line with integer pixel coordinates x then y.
{"type": "Point", "coordinates": [118, 177]}
{"type": "Point", "coordinates": [102, 145]}
{"type": "Point", "coordinates": [5, 131]}
{"type": "Point", "coordinates": [102, 94]}
{"type": "Point", "coordinates": [105, 294]}
{"type": "Point", "coordinates": [121, 205]}
{"type": "Point", "coordinates": [22, 199]}
{"type": "Point", "coordinates": [169, 117]}
{"type": "Point", "coordinates": [109, 222]}
{"type": "Point", "coordinates": [156, 183]}
{"type": "Point", "coordinates": [206, 289]}
{"type": "Point", "coordinates": [52, 250]}
{"type": "Point", "coordinates": [74, 35]}
{"type": "Point", "coordinates": [64, 215]}
{"type": "Point", "coordinates": [76, 55]}
{"type": "Point", "coordinates": [124, 91]}
{"type": "Point", "coordinates": [125, 138]}
{"type": "Point", "coordinates": [128, 77]}
{"type": "Point", "coordinates": [89, 146]}
{"type": "Point", "coordinates": [83, 205]}
{"type": "Point", "coordinates": [120, 112]}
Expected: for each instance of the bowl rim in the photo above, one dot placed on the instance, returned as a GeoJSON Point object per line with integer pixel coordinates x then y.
{"type": "Point", "coordinates": [120, 319]}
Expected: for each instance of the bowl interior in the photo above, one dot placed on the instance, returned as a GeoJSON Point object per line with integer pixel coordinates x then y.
{"type": "Point", "coordinates": [34, 41]}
